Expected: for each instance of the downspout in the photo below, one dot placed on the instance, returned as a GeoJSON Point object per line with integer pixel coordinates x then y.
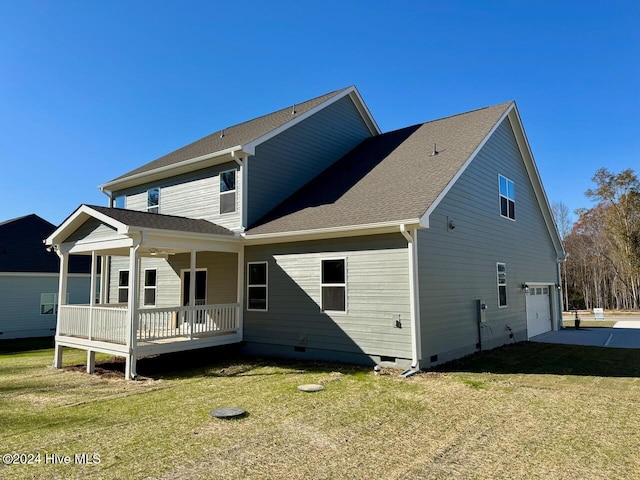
{"type": "Point", "coordinates": [559, 324]}
{"type": "Point", "coordinates": [414, 295]}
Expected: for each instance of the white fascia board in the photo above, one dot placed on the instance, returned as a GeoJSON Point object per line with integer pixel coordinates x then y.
{"type": "Point", "coordinates": [77, 218]}
{"type": "Point", "coordinates": [168, 238]}
{"type": "Point", "coordinates": [333, 232]}
{"type": "Point", "coordinates": [535, 179]}
{"type": "Point", "coordinates": [161, 172]}
{"type": "Point", "coordinates": [365, 112]}
{"type": "Point", "coordinates": [424, 220]}
{"type": "Point", "coordinates": [107, 245]}
{"type": "Point", "coordinates": [250, 148]}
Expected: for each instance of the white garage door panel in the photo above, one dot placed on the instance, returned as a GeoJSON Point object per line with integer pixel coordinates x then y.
{"type": "Point", "coordinates": [538, 311]}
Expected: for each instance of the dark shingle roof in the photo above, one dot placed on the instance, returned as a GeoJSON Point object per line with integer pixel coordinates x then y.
{"type": "Point", "coordinates": [22, 248]}
{"type": "Point", "coordinates": [134, 218]}
{"type": "Point", "coordinates": [387, 178]}
{"type": "Point", "coordinates": [239, 134]}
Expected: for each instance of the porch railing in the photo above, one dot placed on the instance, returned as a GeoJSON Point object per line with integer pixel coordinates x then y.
{"type": "Point", "coordinates": [200, 320]}
{"type": "Point", "coordinates": [109, 324]}
{"type": "Point", "coordinates": [106, 324]}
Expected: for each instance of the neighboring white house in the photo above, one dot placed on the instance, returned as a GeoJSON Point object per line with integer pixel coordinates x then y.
{"type": "Point", "coordinates": [309, 233]}
{"type": "Point", "coordinates": [29, 279]}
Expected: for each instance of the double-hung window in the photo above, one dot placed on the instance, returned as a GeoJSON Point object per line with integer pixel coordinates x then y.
{"type": "Point", "coordinates": [502, 284]}
{"type": "Point", "coordinates": [153, 200]}
{"type": "Point", "coordinates": [334, 285]}
{"type": "Point", "coordinates": [228, 191]}
{"type": "Point", "coordinates": [150, 279]}
{"type": "Point", "coordinates": [507, 198]}
{"type": "Point", "coordinates": [48, 303]}
{"type": "Point", "coordinates": [257, 286]}
{"type": "Point", "coordinates": [123, 286]}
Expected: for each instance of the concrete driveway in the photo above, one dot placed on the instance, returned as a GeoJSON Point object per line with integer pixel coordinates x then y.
{"type": "Point", "coordinates": [619, 336]}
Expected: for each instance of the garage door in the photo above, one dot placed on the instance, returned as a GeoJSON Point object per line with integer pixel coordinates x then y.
{"type": "Point", "coordinates": [538, 311]}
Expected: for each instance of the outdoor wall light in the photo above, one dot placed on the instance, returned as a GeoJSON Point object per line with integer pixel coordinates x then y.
{"type": "Point", "coordinates": [525, 288]}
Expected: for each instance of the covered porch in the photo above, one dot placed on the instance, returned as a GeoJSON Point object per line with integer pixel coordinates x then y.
{"type": "Point", "coordinates": [166, 284]}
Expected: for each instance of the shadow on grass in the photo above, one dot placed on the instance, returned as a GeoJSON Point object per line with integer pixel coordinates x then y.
{"type": "Point", "coordinates": [21, 345]}
{"type": "Point", "coordinates": [552, 359]}
{"type": "Point", "coordinates": [224, 361]}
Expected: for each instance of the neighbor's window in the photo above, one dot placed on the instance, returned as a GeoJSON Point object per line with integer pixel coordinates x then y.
{"type": "Point", "coordinates": [123, 286]}
{"type": "Point", "coordinates": [228, 191]}
{"type": "Point", "coordinates": [502, 284]}
{"type": "Point", "coordinates": [120, 201]}
{"type": "Point", "coordinates": [334, 285]}
{"type": "Point", "coordinates": [150, 278]}
{"type": "Point", "coordinates": [257, 286]}
{"type": "Point", "coordinates": [48, 303]}
{"type": "Point", "coordinates": [153, 200]}
{"type": "Point", "coordinates": [507, 198]}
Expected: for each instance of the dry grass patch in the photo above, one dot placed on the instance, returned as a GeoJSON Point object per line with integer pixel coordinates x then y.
{"type": "Point", "coordinates": [526, 411]}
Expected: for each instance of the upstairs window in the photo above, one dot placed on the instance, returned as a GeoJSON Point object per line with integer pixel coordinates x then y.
{"type": "Point", "coordinates": [228, 191]}
{"type": "Point", "coordinates": [507, 198]}
{"type": "Point", "coordinates": [153, 200]}
{"type": "Point", "coordinates": [502, 284]}
{"type": "Point", "coordinates": [334, 285]}
{"type": "Point", "coordinates": [120, 201]}
{"type": "Point", "coordinates": [257, 286]}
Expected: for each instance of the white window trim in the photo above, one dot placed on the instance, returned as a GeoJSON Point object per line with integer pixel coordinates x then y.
{"type": "Point", "coordinates": [500, 197]}
{"type": "Point", "coordinates": [266, 285]}
{"type": "Point", "coordinates": [123, 287]}
{"type": "Point", "coordinates": [235, 209]}
{"type": "Point", "coordinates": [54, 304]}
{"type": "Point", "coordinates": [498, 284]}
{"type": "Point", "coordinates": [346, 291]}
{"type": "Point", "coordinates": [145, 287]}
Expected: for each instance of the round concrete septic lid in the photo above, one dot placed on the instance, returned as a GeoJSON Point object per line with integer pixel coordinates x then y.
{"type": "Point", "coordinates": [311, 387]}
{"type": "Point", "coordinates": [227, 412]}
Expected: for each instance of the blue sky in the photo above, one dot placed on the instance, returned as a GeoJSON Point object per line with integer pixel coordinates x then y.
{"type": "Point", "coordinates": [91, 90]}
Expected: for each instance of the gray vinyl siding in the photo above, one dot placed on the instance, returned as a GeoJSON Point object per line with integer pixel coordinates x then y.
{"type": "Point", "coordinates": [91, 230]}
{"type": "Point", "coordinates": [20, 303]}
{"type": "Point", "coordinates": [377, 289]}
{"type": "Point", "coordinates": [193, 195]}
{"type": "Point", "coordinates": [222, 277]}
{"type": "Point", "coordinates": [286, 162]}
{"type": "Point", "coordinates": [458, 267]}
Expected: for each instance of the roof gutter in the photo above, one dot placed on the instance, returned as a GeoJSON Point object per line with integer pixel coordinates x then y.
{"type": "Point", "coordinates": [323, 233]}
{"type": "Point", "coordinates": [141, 177]}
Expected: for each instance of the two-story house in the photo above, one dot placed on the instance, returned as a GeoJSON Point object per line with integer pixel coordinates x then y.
{"type": "Point", "coordinates": [309, 233]}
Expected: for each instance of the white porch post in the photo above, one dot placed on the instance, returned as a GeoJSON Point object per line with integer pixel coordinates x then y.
{"type": "Point", "coordinates": [240, 293]}
{"type": "Point", "coordinates": [92, 295]}
{"type": "Point", "coordinates": [192, 292]}
{"type": "Point", "coordinates": [133, 301]}
{"type": "Point", "coordinates": [91, 355]}
{"type": "Point", "coordinates": [62, 300]}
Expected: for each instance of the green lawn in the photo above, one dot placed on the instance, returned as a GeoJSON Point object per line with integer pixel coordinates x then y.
{"type": "Point", "coordinates": [523, 411]}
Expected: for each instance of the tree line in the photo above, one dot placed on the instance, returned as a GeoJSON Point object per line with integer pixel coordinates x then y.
{"type": "Point", "coordinates": [603, 245]}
